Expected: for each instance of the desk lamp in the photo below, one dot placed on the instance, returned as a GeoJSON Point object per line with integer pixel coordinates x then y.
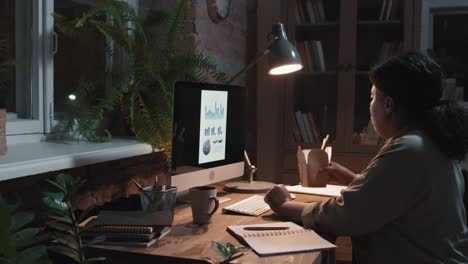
{"type": "Point", "coordinates": [283, 59]}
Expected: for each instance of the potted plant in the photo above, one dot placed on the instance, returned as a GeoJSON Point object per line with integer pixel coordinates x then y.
{"type": "Point", "coordinates": [149, 63]}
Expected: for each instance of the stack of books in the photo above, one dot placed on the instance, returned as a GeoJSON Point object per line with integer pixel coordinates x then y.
{"type": "Point", "coordinates": [124, 235]}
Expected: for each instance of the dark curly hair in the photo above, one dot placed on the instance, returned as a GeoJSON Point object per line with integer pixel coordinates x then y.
{"type": "Point", "coordinates": [414, 82]}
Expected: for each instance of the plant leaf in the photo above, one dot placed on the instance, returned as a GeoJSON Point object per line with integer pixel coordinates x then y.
{"type": "Point", "coordinates": [21, 219]}
{"type": "Point", "coordinates": [68, 241]}
{"type": "Point", "coordinates": [66, 252]}
{"type": "Point", "coordinates": [96, 240]}
{"type": "Point", "coordinates": [31, 255]}
{"type": "Point", "coordinates": [63, 228]}
{"type": "Point", "coordinates": [94, 260]}
{"type": "Point", "coordinates": [55, 201]}
{"type": "Point", "coordinates": [60, 187]}
{"type": "Point", "coordinates": [23, 236]}
{"type": "Point", "coordinates": [64, 218]}
{"type": "Point", "coordinates": [6, 245]}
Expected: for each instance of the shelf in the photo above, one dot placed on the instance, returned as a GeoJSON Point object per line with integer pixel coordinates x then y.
{"type": "Point", "coordinates": [317, 74]}
{"type": "Point", "coordinates": [379, 23]}
{"type": "Point", "coordinates": [40, 157]}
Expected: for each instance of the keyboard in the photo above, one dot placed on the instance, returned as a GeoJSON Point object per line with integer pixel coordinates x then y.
{"type": "Point", "coordinates": [253, 205]}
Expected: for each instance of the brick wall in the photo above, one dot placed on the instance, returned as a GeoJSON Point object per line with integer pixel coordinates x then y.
{"type": "Point", "coordinates": [105, 181]}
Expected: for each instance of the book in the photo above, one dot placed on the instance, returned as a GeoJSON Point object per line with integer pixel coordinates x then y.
{"type": "Point", "coordinates": [272, 242]}
{"type": "Point", "coordinates": [310, 10]}
{"type": "Point", "coordinates": [124, 235]}
{"type": "Point", "coordinates": [382, 10]}
{"type": "Point", "coordinates": [301, 125]}
{"type": "Point", "coordinates": [129, 239]}
{"type": "Point", "coordinates": [295, 129]}
{"type": "Point", "coordinates": [314, 125]}
{"type": "Point", "coordinates": [388, 10]}
{"type": "Point", "coordinates": [320, 9]}
{"type": "Point", "coordinates": [308, 128]}
{"type": "Point", "coordinates": [136, 218]}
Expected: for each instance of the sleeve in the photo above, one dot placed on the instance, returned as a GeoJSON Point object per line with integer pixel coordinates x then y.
{"type": "Point", "coordinates": [390, 185]}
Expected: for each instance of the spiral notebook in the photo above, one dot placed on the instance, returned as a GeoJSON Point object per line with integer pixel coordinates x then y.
{"type": "Point", "coordinates": [272, 242]}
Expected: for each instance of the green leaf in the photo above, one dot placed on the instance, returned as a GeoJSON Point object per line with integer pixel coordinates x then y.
{"type": "Point", "coordinates": [23, 236]}
{"type": "Point", "coordinates": [94, 260]}
{"type": "Point", "coordinates": [62, 250]}
{"type": "Point", "coordinates": [31, 255]}
{"type": "Point", "coordinates": [68, 241]}
{"type": "Point", "coordinates": [21, 219]}
{"type": "Point", "coordinates": [231, 248]}
{"type": "Point", "coordinates": [65, 218]}
{"type": "Point", "coordinates": [6, 244]}
{"type": "Point", "coordinates": [96, 240]}
{"type": "Point", "coordinates": [55, 201]}
{"type": "Point", "coordinates": [220, 249]}
{"type": "Point", "coordinates": [63, 228]}
{"type": "Point", "coordinates": [60, 187]}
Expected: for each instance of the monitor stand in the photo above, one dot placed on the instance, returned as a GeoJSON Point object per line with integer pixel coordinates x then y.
{"type": "Point", "coordinates": [249, 186]}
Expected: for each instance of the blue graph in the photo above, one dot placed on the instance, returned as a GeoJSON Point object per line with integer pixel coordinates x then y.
{"type": "Point", "coordinates": [216, 113]}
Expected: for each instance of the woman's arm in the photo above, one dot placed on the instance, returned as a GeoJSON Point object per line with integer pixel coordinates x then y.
{"type": "Point", "coordinates": [338, 173]}
{"type": "Point", "coordinates": [281, 203]}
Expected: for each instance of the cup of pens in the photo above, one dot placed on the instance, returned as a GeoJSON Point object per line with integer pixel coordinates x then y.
{"type": "Point", "coordinates": [158, 198]}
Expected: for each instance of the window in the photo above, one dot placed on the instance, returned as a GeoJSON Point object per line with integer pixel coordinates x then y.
{"type": "Point", "coordinates": [46, 66]}
{"type": "Point", "coordinates": [21, 85]}
{"type": "Point", "coordinates": [444, 25]}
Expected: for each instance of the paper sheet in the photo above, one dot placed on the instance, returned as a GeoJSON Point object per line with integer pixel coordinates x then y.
{"type": "Point", "coordinates": [329, 190]}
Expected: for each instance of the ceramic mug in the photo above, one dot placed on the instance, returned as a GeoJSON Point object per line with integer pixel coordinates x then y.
{"type": "Point", "coordinates": [204, 203]}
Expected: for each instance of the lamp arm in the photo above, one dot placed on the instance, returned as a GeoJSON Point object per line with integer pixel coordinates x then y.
{"type": "Point", "coordinates": [250, 65]}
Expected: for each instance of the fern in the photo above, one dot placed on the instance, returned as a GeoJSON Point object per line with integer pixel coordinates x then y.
{"type": "Point", "coordinates": [154, 63]}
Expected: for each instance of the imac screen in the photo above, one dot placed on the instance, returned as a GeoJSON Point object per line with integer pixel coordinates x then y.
{"type": "Point", "coordinates": [208, 133]}
{"type": "Point", "coordinates": [213, 117]}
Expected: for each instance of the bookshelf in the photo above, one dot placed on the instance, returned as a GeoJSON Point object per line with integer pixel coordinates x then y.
{"type": "Point", "coordinates": [350, 37]}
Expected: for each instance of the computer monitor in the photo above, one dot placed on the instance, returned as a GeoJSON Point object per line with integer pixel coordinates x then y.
{"type": "Point", "coordinates": [208, 133]}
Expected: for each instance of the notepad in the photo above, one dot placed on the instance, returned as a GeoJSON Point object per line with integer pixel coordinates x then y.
{"type": "Point", "coordinates": [272, 242]}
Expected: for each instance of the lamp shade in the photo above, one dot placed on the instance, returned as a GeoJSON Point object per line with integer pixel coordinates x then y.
{"type": "Point", "coordinates": [283, 57]}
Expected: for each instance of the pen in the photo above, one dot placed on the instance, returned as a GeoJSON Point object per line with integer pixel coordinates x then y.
{"type": "Point", "coordinates": [259, 228]}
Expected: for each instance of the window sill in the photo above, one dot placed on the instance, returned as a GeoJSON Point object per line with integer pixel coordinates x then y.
{"type": "Point", "coordinates": [40, 157]}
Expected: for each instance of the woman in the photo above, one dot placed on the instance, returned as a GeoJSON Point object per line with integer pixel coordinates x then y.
{"type": "Point", "coordinates": [407, 205]}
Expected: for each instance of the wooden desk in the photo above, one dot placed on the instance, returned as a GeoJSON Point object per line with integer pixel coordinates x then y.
{"type": "Point", "coordinates": [188, 243]}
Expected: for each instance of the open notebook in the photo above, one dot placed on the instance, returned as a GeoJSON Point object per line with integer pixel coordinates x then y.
{"type": "Point", "coordinates": [271, 242]}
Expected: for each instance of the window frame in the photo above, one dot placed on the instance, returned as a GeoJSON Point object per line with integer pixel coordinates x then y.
{"type": "Point", "coordinates": [39, 93]}
{"type": "Point", "coordinates": [429, 8]}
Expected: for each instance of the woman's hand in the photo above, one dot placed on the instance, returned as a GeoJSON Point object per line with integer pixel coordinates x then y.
{"type": "Point", "coordinates": [279, 200]}
{"type": "Point", "coordinates": [338, 173]}
{"type": "Point", "coordinates": [277, 196]}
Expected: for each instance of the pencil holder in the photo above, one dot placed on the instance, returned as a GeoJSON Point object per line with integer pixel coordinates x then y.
{"type": "Point", "coordinates": [162, 198]}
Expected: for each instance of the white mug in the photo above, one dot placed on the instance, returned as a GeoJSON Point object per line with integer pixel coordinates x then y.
{"type": "Point", "coordinates": [204, 203]}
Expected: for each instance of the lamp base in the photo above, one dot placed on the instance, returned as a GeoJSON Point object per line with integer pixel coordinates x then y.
{"type": "Point", "coordinates": [248, 187]}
